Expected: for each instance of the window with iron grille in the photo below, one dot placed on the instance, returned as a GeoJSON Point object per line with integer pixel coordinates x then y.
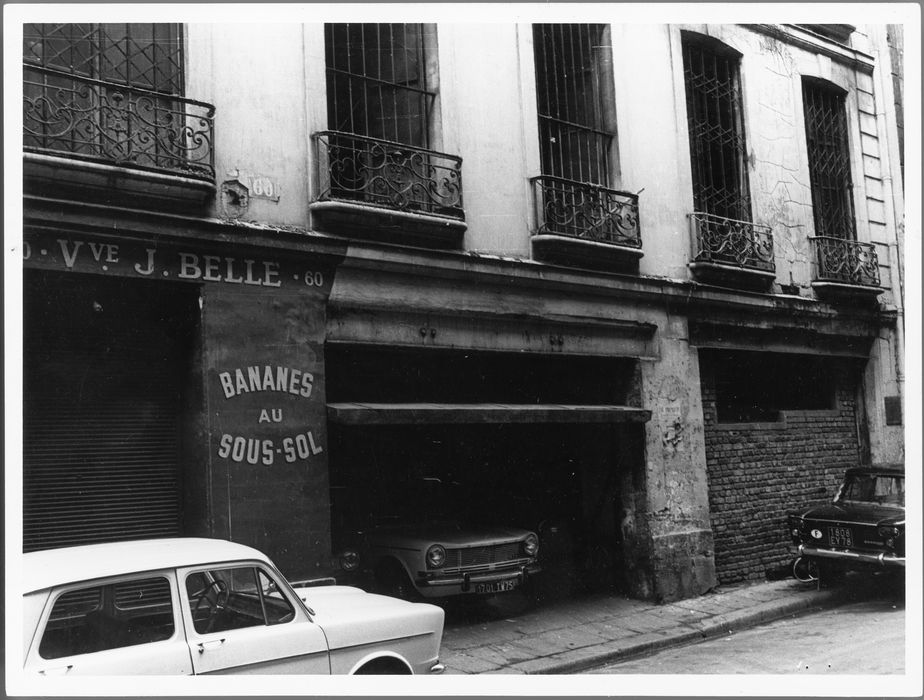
{"type": "Point", "coordinates": [148, 56]}
{"type": "Point", "coordinates": [114, 93]}
{"type": "Point", "coordinates": [377, 82]}
{"type": "Point", "coordinates": [829, 159]}
{"type": "Point", "coordinates": [574, 94]}
{"type": "Point", "coordinates": [715, 118]}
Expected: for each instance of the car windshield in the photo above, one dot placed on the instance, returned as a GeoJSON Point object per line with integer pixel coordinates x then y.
{"type": "Point", "coordinates": [882, 489]}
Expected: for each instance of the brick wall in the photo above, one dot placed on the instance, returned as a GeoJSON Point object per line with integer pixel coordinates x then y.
{"type": "Point", "coordinates": [759, 472]}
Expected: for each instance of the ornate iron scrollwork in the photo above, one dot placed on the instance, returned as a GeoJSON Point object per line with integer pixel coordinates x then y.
{"type": "Point", "coordinates": [105, 122]}
{"type": "Point", "coordinates": [845, 261]}
{"type": "Point", "coordinates": [389, 174]}
{"type": "Point", "coordinates": [586, 211]}
{"type": "Point", "coordinates": [732, 242]}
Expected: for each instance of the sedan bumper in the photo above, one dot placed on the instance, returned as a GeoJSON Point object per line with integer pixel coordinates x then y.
{"type": "Point", "coordinates": [881, 559]}
{"type": "Point", "coordinates": [465, 582]}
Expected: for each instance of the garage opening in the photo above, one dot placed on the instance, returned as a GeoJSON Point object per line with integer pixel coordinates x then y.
{"type": "Point", "coordinates": [546, 443]}
{"type": "Point", "coordinates": [105, 365]}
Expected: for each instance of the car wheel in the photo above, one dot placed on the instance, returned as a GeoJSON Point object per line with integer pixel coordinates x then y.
{"type": "Point", "coordinates": [393, 581]}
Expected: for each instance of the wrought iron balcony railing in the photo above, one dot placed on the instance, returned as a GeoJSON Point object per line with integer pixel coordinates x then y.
{"type": "Point", "coordinates": [586, 211]}
{"type": "Point", "coordinates": [845, 261]}
{"type": "Point", "coordinates": [725, 241]}
{"type": "Point", "coordinates": [94, 120]}
{"type": "Point", "coordinates": [389, 175]}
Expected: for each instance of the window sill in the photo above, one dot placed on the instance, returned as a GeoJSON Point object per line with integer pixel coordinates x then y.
{"type": "Point", "coordinates": [371, 222]}
{"type": "Point", "coordinates": [732, 275]}
{"type": "Point", "coordinates": [841, 291]}
{"type": "Point", "coordinates": [112, 184]}
{"type": "Point", "coordinates": [578, 252]}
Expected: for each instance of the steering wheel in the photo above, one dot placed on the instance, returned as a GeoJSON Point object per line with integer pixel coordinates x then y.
{"type": "Point", "coordinates": [215, 594]}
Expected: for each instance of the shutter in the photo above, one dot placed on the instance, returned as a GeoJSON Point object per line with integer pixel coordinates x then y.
{"type": "Point", "coordinates": [100, 453]}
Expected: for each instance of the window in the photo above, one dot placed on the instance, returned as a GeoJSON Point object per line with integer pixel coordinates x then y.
{"type": "Point", "coordinates": [226, 599]}
{"type": "Point", "coordinates": [573, 92]}
{"type": "Point", "coordinates": [718, 152]}
{"type": "Point", "coordinates": [108, 617]}
{"type": "Point", "coordinates": [148, 56]}
{"type": "Point", "coordinates": [829, 159]}
{"type": "Point", "coordinates": [377, 82]}
{"type": "Point", "coordinates": [114, 93]}
{"type": "Point", "coordinates": [756, 386]}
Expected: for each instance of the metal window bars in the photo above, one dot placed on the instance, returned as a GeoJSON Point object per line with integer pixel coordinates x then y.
{"type": "Point", "coordinates": [113, 93]}
{"type": "Point", "coordinates": [845, 261]}
{"type": "Point", "coordinates": [718, 151]}
{"type": "Point", "coordinates": [388, 174]}
{"type": "Point", "coordinates": [588, 212]}
{"type": "Point", "coordinates": [573, 138]}
{"type": "Point", "coordinates": [146, 56]}
{"type": "Point", "coordinates": [377, 81]}
{"type": "Point", "coordinates": [718, 239]}
{"type": "Point", "coordinates": [829, 160]}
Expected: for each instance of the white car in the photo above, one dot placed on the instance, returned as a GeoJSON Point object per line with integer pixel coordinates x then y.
{"type": "Point", "coordinates": [194, 606]}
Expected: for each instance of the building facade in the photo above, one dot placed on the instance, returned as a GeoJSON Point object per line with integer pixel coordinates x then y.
{"type": "Point", "coordinates": [646, 280]}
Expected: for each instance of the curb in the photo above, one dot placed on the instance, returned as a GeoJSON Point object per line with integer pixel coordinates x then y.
{"type": "Point", "coordinates": [718, 626]}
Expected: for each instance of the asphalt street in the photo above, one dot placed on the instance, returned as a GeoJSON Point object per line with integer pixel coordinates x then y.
{"type": "Point", "coordinates": [865, 637]}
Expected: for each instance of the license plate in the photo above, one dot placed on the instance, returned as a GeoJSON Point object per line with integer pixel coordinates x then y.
{"type": "Point", "coordinates": [496, 586]}
{"type": "Point", "coordinates": [840, 537]}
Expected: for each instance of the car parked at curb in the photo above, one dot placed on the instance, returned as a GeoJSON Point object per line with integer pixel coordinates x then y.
{"type": "Point", "coordinates": [186, 606]}
{"type": "Point", "coordinates": [863, 527]}
{"type": "Point", "coordinates": [432, 551]}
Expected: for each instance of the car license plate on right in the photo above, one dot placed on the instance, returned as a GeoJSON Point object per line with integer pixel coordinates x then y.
{"type": "Point", "coordinates": [840, 537]}
{"type": "Point", "coordinates": [496, 586]}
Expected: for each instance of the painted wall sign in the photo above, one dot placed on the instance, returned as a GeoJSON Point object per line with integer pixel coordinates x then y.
{"type": "Point", "coordinates": [135, 259]}
{"type": "Point", "coordinates": [264, 349]}
{"type": "Point", "coordinates": [269, 382]}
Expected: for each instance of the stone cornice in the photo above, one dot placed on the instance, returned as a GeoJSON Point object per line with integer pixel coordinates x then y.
{"type": "Point", "coordinates": [406, 266]}
{"type": "Point", "coordinates": [816, 43]}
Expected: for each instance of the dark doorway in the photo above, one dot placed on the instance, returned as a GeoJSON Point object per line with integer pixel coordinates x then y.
{"type": "Point", "coordinates": [106, 361]}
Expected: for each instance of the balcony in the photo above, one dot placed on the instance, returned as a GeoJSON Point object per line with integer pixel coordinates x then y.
{"type": "Point", "coordinates": [586, 225]}
{"type": "Point", "coordinates": [96, 139]}
{"type": "Point", "coordinates": [371, 188]}
{"type": "Point", "coordinates": [844, 268]}
{"type": "Point", "coordinates": [731, 252]}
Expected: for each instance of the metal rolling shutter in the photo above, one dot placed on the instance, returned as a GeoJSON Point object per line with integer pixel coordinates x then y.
{"type": "Point", "coordinates": [100, 457]}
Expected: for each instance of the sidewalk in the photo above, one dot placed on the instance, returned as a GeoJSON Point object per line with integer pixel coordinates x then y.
{"type": "Point", "coordinates": [577, 634]}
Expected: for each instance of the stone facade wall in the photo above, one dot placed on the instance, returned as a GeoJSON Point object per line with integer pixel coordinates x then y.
{"type": "Point", "coordinates": [760, 472]}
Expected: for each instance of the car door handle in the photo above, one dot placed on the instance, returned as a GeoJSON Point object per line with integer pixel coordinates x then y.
{"type": "Point", "coordinates": [213, 644]}
{"type": "Point", "coordinates": [59, 671]}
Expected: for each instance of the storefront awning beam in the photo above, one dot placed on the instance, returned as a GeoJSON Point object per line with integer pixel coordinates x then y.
{"type": "Point", "coordinates": [423, 413]}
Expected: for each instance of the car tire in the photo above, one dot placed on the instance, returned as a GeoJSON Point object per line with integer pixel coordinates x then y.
{"type": "Point", "coordinates": [392, 580]}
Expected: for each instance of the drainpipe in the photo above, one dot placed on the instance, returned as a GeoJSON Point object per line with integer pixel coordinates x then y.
{"type": "Point", "coordinates": [885, 116]}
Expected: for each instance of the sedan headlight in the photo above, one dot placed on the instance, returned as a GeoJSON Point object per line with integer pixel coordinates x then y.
{"type": "Point", "coordinates": [890, 534]}
{"type": "Point", "coordinates": [531, 545]}
{"type": "Point", "coordinates": [349, 560]}
{"type": "Point", "coordinates": [436, 556]}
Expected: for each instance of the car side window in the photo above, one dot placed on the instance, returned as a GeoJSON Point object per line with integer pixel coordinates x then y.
{"type": "Point", "coordinates": [108, 616]}
{"type": "Point", "coordinates": [234, 598]}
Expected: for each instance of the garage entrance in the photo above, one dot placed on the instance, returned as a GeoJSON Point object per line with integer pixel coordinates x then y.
{"type": "Point", "coordinates": [105, 365]}
{"type": "Point", "coordinates": [538, 442]}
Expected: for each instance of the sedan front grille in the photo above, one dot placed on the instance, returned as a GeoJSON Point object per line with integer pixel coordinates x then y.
{"type": "Point", "coordinates": [485, 556]}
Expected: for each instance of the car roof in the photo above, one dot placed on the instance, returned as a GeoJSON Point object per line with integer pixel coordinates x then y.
{"type": "Point", "coordinates": [55, 567]}
{"type": "Point", "coordinates": [890, 469]}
